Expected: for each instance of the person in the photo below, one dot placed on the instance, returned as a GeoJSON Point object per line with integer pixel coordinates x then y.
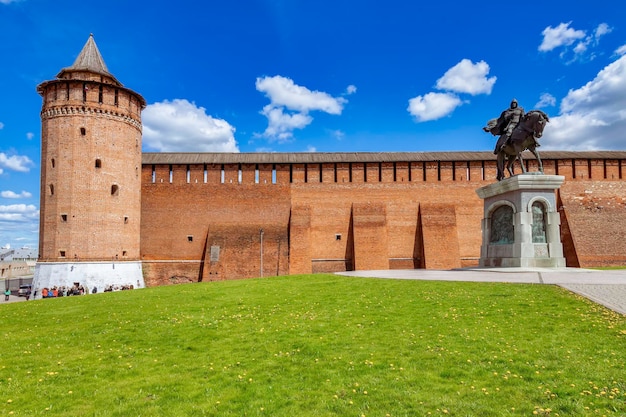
{"type": "Point", "coordinates": [507, 121]}
{"type": "Point", "coordinates": [7, 294]}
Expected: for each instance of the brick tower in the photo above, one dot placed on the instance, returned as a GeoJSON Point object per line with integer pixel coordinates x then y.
{"type": "Point", "coordinates": [90, 206]}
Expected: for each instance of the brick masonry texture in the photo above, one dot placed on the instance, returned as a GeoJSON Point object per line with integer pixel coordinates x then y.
{"type": "Point", "coordinates": [90, 170]}
{"type": "Point", "coordinates": [357, 216]}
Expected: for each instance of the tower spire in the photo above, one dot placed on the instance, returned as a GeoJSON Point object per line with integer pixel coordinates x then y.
{"type": "Point", "coordinates": [89, 59]}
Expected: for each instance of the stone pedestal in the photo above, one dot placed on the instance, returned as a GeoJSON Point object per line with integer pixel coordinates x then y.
{"type": "Point", "coordinates": [521, 225]}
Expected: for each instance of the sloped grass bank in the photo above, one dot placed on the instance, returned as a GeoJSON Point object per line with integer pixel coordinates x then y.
{"type": "Point", "coordinates": [318, 345]}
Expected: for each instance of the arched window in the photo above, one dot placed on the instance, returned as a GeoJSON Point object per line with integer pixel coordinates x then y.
{"type": "Point", "coordinates": [502, 228]}
{"type": "Point", "coordinates": [539, 222]}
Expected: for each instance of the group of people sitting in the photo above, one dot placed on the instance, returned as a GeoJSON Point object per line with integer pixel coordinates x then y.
{"type": "Point", "coordinates": [110, 288]}
{"type": "Point", "coordinates": [78, 289]}
{"type": "Point", "coordinates": [62, 291]}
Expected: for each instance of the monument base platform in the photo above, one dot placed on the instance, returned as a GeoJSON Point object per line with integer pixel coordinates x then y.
{"type": "Point", "coordinates": [521, 225]}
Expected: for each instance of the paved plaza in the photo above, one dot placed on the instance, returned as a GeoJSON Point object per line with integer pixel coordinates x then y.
{"type": "Point", "coordinates": [607, 288]}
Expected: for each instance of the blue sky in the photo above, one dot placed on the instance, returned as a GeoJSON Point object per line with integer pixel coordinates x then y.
{"type": "Point", "coordinates": [316, 76]}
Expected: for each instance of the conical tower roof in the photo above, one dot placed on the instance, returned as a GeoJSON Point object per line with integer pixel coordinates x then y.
{"type": "Point", "coordinates": [89, 60]}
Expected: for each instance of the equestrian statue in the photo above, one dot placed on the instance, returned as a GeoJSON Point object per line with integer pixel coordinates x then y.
{"type": "Point", "coordinates": [518, 132]}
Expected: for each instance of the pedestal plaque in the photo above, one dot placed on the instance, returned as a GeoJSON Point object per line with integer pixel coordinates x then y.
{"type": "Point", "coordinates": [521, 225]}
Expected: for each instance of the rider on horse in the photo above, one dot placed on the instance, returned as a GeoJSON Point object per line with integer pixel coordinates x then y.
{"type": "Point", "coordinates": [505, 124]}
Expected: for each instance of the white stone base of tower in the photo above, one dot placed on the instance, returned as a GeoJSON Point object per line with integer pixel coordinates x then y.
{"type": "Point", "coordinates": [87, 274]}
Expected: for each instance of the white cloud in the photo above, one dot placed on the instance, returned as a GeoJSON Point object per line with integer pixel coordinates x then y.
{"type": "Point", "coordinates": [19, 223]}
{"type": "Point", "coordinates": [580, 47]}
{"type": "Point", "coordinates": [280, 126]}
{"type": "Point", "coordinates": [30, 135]}
{"type": "Point", "coordinates": [621, 50]}
{"type": "Point", "coordinates": [594, 116]}
{"type": "Point", "coordinates": [601, 30]}
{"type": "Point", "coordinates": [1, 125]}
{"type": "Point", "coordinates": [337, 134]}
{"type": "Point", "coordinates": [18, 213]}
{"type": "Point", "coordinates": [181, 126]}
{"type": "Point", "coordinates": [351, 89]}
{"type": "Point", "coordinates": [283, 92]}
{"type": "Point", "coordinates": [562, 35]}
{"type": "Point", "coordinates": [12, 194]}
{"type": "Point", "coordinates": [433, 106]}
{"type": "Point", "coordinates": [9, 1]}
{"type": "Point", "coordinates": [290, 105]}
{"type": "Point", "coordinates": [15, 162]}
{"type": "Point", "coordinates": [467, 77]}
{"type": "Point", "coordinates": [592, 40]}
{"type": "Point", "coordinates": [546, 100]}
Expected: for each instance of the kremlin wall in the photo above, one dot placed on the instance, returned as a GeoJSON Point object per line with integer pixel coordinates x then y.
{"type": "Point", "coordinates": [202, 214]}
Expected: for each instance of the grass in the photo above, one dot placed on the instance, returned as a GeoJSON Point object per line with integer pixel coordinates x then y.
{"type": "Point", "coordinates": [317, 345]}
{"type": "Point", "coordinates": [610, 268]}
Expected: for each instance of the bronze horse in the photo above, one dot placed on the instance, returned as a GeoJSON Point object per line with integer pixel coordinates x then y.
{"type": "Point", "coordinates": [524, 137]}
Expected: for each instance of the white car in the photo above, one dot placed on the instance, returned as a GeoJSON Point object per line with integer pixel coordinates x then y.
{"type": "Point", "coordinates": [24, 290]}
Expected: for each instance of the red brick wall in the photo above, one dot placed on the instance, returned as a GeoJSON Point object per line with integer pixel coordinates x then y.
{"type": "Point", "coordinates": [334, 224]}
{"type": "Point", "coordinates": [181, 221]}
{"type": "Point", "coordinates": [440, 236]}
{"type": "Point", "coordinates": [596, 217]}
{"type": "Point", "coordinates": [369, 222]}
{"type": "Point", "coordinates": [300, 239]}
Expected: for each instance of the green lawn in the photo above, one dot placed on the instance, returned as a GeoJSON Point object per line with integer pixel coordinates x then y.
{"type": "Point", "coordinates": [317, 345]}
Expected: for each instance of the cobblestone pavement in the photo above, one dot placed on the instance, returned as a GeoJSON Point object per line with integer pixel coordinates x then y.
{"type": "Point", "coordinates": [607, 288]}
{"type": "Point", "coordinates": [612, 296]}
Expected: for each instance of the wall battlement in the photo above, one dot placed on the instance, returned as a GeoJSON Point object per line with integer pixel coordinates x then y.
{"type": "Point", "coordinates": [372, 172]}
